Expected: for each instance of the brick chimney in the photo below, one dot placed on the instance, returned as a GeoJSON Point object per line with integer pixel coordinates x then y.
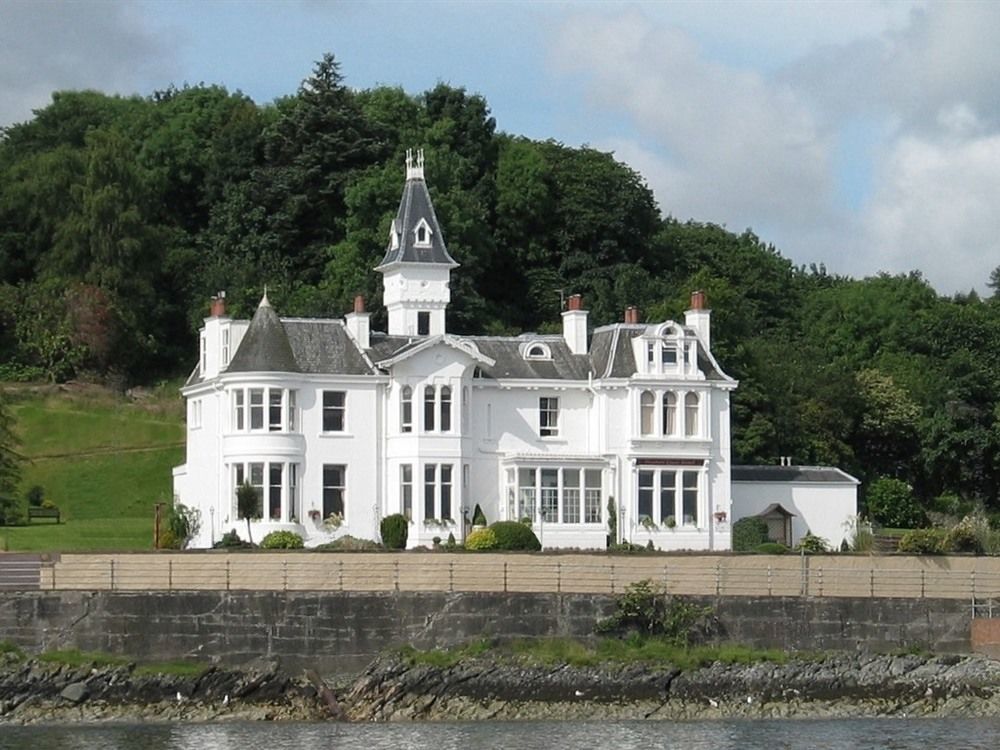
{"type": "Point", "coordinates": [359, 323]}
{"type": "Point", "coordinates": [575, 325]}
{"type": "Point", "coordinates": [631, 315]}
{"type": "Point", "coordinates": [698, 317]}
{"type": "Point", "coordinates": [217, 307]}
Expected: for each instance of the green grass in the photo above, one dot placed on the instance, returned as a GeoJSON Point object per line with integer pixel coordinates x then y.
{"type": "Point", "coordinates": [6, 647]}
{"type": "Point", "coordinates": [75, 658]}
{"type": "Point", "coordinates": [103, 460]}
{"type": "Point", "coordinates": [635, 650]}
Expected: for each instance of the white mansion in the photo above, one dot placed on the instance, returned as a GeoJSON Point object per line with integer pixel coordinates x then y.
{"type": "Point", "coordinates": [328, 418]}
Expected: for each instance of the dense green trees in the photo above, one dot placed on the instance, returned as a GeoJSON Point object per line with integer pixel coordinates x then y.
{"type": "Point", "coordinates": [120, 216]}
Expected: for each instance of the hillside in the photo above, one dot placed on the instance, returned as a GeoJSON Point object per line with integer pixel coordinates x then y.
{"type": "Point", "coordinates": [104, 460]}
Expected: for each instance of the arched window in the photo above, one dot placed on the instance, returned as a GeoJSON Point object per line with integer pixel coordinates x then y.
{"type": "Point", "coordinates": [429, 408]}
{"type": "Point", "coordinates": [406, 410]}
{"type": "Point", "coordinates": [669, 413]}
{"type": "Point", "coordinates": [691, 414]}
{"type": "Point", "coordinates": [647, 407]}
{"type": "Point", "coordinates": [445, 408]}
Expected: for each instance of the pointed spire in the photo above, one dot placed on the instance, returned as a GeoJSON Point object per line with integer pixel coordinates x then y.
{"type": "Point", "coordinates": [264, 301]}
{"type": "Point", "coordinates": [415, 235]}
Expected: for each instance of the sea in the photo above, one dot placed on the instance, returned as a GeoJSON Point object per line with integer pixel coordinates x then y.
{"type": "Point", "coordinates": [814, 734]}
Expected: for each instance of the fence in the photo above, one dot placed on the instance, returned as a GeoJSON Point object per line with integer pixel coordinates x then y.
{"type": "Point", "coordinates": [969, 578]}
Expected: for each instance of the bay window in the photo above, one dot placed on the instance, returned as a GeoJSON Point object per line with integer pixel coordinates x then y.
{"type": "Point", "coordinates": [263, 410]}
{"type": "Point", "coordinates": [555, 494]}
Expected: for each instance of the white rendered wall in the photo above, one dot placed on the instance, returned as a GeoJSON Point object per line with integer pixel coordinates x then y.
{"type": "Point", "coordinates": [821, 508]}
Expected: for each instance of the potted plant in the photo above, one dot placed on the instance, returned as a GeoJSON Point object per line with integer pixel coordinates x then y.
{"type": "Point", "coordinates": [314, 515]}
{"type": "Point", "coordinates": [333, 521]}
{"type": "Point", "coordinates": [670, 522]}
{"type": "Point", "coordinates": [647, 523]}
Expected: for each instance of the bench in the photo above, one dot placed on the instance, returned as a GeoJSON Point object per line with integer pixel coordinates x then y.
{"type": "Point", "coordinates": [34, 513]}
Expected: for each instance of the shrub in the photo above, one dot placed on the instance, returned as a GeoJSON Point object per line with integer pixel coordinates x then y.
{"type": "Point", "coordinates": [395, 529]}
{"type": "Point", "coordinates": [282, 540]}
{"type": "Point", "coordinates": [811, 544]}
{"type": "Point", "coordinates": [749, 533]}
{"type": "Point", "coordinates": [348, 543]}
{"type": "Point", "coordinates": [180, 523]}
{"type": "Point", "coordinates": [859, 532]}
{"type": "Point", "coordinates": [35, 496]}
{"type": "Point", "coordinates": [481, 540]}
{"type": "Point", "coordinates": [891, 503]}
{"type": "Point", "coordinates": [231, 540]}
{"type": "Point", "coordinates": [771, 548]}
{"type": "Point", "coordinates": [450, 543]}
{"type": "Point", "coordinates": [967, 535]}
{"type": "Point", "coordinates": [645, 608]}
{"type": "Point", "coordinates": [923, 542]}
{"type": "Point", "coordinates": [478, 517]}
{"type": "Point", "coordinates": [512, 535]}
{"type": "Point", "coordinates": [627, 548]}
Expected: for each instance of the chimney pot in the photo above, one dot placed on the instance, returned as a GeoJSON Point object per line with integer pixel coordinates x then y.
{"type": "Point", "coordinates": [575, 302]}
{"type": "Point", "coordinates": [359, 304]}
{"type": "Point", "coordinates": [632, 314]}
{"type": "Point", "coordinates": [217, 307]}
{"type": "Point", "coordinates": [698, 300]}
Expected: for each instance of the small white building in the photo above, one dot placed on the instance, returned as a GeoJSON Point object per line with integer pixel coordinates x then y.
{"type": "Point", "coordinates": [328, 419]}
{"type": "Point", "coordinates": [797, 500]}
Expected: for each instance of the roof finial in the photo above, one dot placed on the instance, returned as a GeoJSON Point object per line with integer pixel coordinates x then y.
{"type": "Point", "coordinates": [264, 302]}
{"type": "Point", "coordinates": [414, 164]}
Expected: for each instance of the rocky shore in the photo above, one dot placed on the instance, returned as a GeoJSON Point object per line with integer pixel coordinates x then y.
{"type": "Point", "coordinates": [492, 687]}
{"type": "Point", "coordinates": [833, 686]}
{"type": "Point", "coordinates": [33, 691]}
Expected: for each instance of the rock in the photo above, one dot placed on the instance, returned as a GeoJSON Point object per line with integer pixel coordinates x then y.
{"type": "Point", "coordinates": [75, 692]}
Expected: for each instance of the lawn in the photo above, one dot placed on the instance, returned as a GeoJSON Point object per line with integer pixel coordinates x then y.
{"type": "Point", "coordinates": [104, 460]}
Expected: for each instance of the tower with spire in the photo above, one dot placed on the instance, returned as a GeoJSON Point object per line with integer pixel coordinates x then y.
{"type": "Point", "coordinates": [416, 268]}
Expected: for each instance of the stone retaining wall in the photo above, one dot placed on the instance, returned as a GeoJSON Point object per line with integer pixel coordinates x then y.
{"type": "Point", "coordinates": [342, 631]}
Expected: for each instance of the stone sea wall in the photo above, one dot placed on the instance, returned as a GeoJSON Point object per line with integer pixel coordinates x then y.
{"type": "Point", "coordinates": [341, 632]}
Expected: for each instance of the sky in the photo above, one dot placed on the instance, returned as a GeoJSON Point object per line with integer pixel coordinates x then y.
{"type": "Point", "coordinates": [859, 134]}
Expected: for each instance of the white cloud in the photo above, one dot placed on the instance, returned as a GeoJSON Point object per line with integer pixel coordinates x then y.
{"type": "Point", "coordinates": [935, 209]}
{"type": "Point", "coordinates": [732, 140]}
{"type": "Point", "coordinates": [47, 46]}
{"type": "Point", "coordinates": [732, 146]}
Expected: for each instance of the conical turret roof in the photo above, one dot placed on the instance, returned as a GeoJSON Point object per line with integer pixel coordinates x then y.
{"type": "Point", "coordinates": [265, 346]}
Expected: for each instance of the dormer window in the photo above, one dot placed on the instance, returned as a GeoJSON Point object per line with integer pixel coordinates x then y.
{"type": "Point", "coordinates": [536, 350]}
{"type": "Point", "coordinates": [422, 234]}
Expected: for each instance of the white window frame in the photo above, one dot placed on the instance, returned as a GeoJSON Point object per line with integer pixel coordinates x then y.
{"type": "Point", "coordinates": [334, 410]}
{"type": "Point", "coordinates": [548, 416]}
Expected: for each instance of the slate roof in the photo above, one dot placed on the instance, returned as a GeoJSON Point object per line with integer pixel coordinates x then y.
{"type": "Point", "coordinates": [265, 346]}
{"type": "Point", "coordinates": [324, 346]}
{"type": "Point", "coordinates": [510, 363]}
{"type": "Point", "coordinates": [611, 350]}
{"type": "Point", "coordinates": [818, 474]}
{"type": "Point", "coordinates": [414, 206]}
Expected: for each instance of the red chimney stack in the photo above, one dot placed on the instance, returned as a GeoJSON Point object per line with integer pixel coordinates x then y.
{"type": "Point", "coordinates": [359, 304]}
{"type": "Point", "coordinates": [575, 302]}
{"type": "Point", "coordinates": [698, 300]}
{"type": "Point", "coordinates": [217, 307]}
{"type": "Point", "coordinates": [632, 315]}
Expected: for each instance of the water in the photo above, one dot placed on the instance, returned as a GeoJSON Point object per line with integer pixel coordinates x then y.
{"type": "Point", "coordinates": [846, 734]}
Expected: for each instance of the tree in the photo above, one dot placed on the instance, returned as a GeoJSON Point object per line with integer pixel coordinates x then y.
{"type": "Point", "coordinates": [248, 504]}
{"type": "Point", "coordinates": [891, 503]}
